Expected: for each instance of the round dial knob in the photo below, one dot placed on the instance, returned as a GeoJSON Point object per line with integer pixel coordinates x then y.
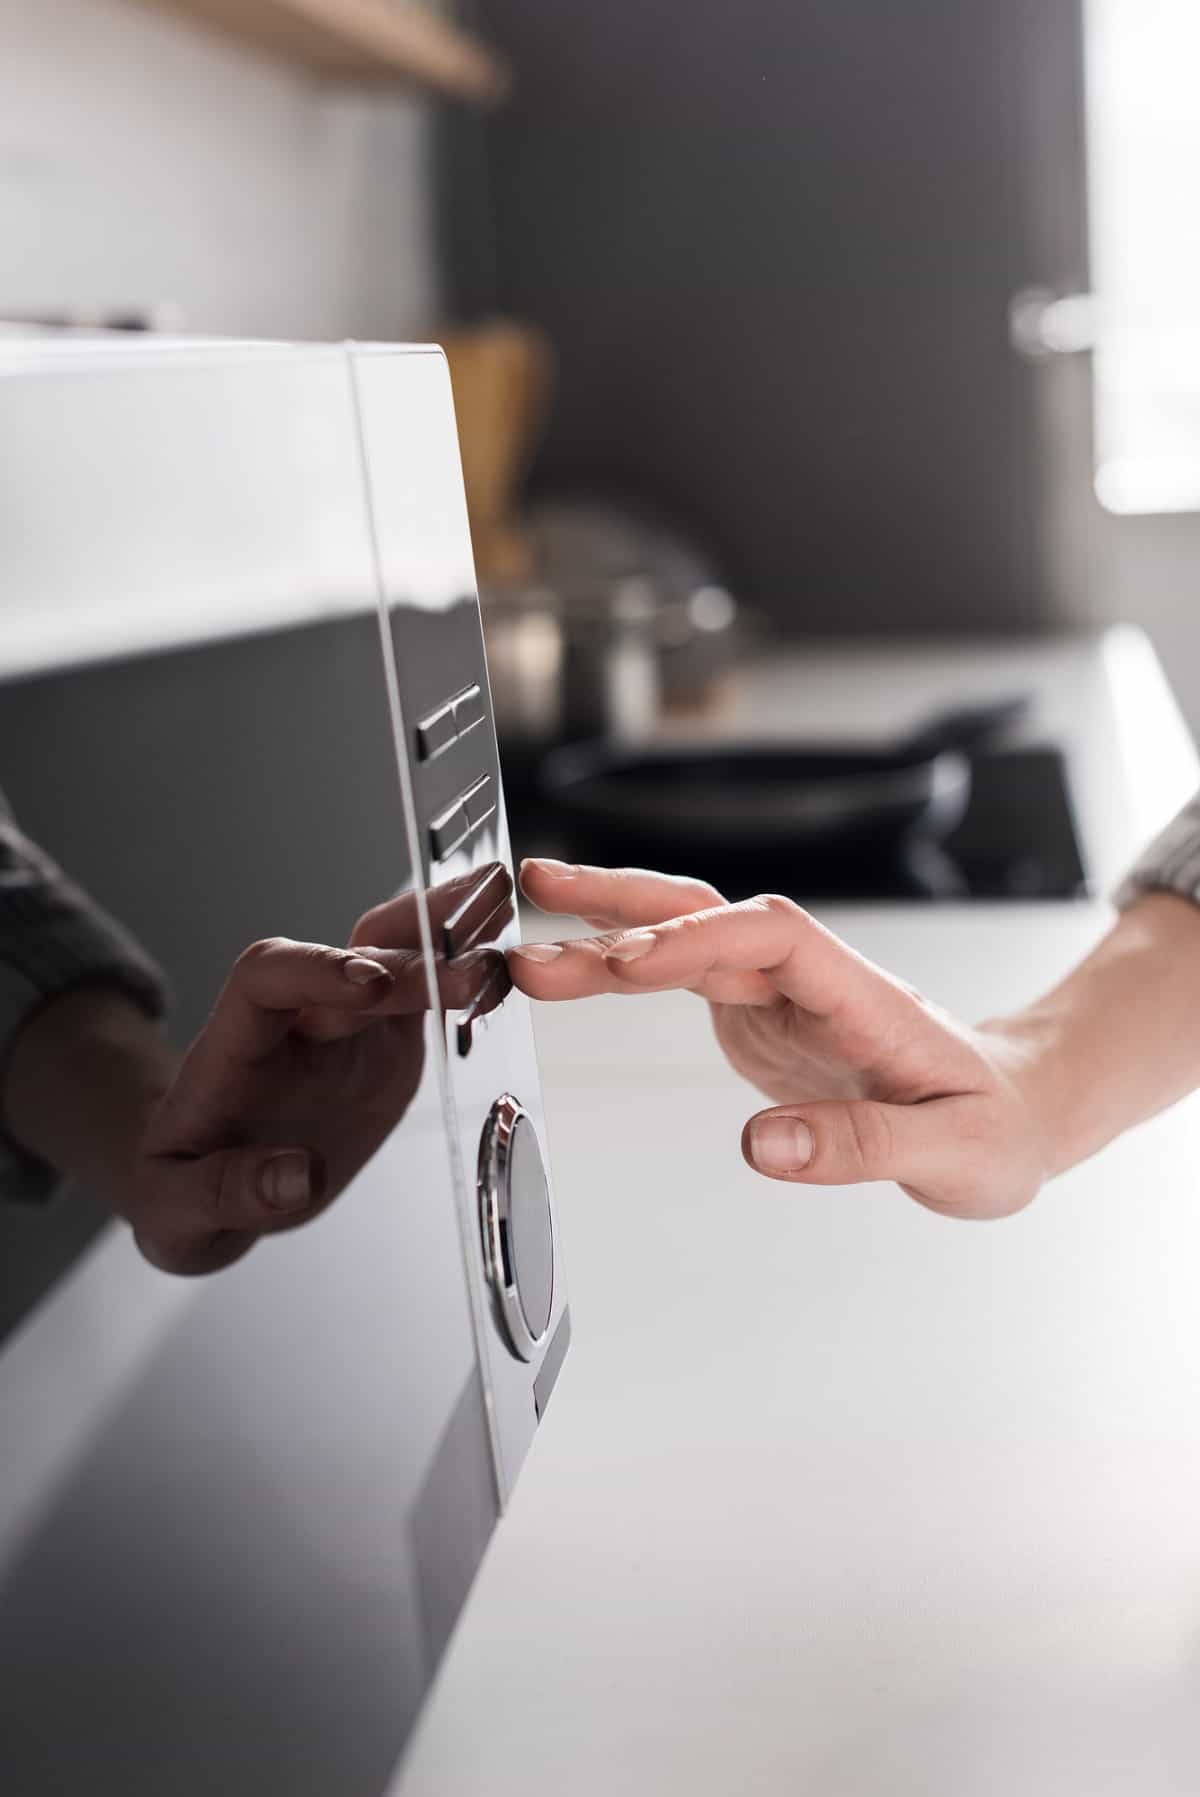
{"type": "Point", "coordinates": [518, 1234]}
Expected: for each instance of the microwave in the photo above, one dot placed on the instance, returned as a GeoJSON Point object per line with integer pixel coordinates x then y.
{"type": "Point", "coordinates": [243, 697]}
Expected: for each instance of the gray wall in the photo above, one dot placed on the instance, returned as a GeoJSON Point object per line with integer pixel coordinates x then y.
{"type": "Point", "coordinates": [775, 245]}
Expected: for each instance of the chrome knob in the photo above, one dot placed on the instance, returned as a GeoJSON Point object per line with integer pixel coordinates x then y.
{"type": "Point", "coordinates": [516, 1225]}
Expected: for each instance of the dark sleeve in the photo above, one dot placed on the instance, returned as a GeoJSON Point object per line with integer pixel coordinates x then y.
{"type": "Point", "coordinates": [54, 937]}
{"type": "Point", "coordinates": [1170, 864]}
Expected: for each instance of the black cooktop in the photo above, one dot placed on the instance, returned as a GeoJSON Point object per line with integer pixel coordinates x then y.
{"type": "Point", "coordinates": [1017, 840]}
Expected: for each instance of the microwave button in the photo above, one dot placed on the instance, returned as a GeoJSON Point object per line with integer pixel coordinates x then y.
{"type": "Point", "coordinates": [486, 910]}
{"type": "Point", "coordinates": [447, 831]}
{"type": "Point", "coordinates": [492, 993]}
{"type": "Point", "coordinates": [436, 732]}
{"type": "Point", "coordinates": [480, 802]}
{"type": "Point", "coordinates": [469, 710]}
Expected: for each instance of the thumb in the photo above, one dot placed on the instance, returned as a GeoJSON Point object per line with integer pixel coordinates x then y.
{"type": "Point", "coordinates": [257, 1188]}
{"type": "Point", "coordinates": [196, 1214]}
{"type": "Point", "coordinates": [926, 1147]}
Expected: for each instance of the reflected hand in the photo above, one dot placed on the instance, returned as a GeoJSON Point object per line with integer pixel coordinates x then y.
{"type": "Point", "coordinates": [310, 1058]}
{"type": "Point", "coordinates": [871, 1081]}
{"type": "Point", "coordinates": [311, 1055]}
{"type": "Point", "coordinates": [308, 1061]}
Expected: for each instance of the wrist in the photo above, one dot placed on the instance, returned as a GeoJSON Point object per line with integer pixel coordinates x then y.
{"type": "Point", "coordinates": [1032, 1050]}
{"type": "Point", "coordinates": [81, 1080]}
{"type": "Point", "coordinates": [1118, 1040]}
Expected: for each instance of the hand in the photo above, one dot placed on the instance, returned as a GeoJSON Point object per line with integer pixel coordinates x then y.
{"type": "Point", "coordinates": [310, 1058]}
{"type": "Point", "coordinates": [308, 1062]}
{"type": "Point", "coordinates": [871, 1081]}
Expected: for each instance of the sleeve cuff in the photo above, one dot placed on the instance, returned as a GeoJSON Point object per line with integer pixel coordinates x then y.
{"type": "Point", "coordinates": [1170, 864]}
{"type": "Point", "coordinates": [84, 948]}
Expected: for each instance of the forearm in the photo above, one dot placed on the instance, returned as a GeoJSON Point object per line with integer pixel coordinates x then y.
{"type": "Point", "coordinates": [79, 1084]}
{"type": "Point", "coordinates": [1119, 1039]}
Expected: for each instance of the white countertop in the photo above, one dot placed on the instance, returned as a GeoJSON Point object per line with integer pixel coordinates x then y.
{"type": "Point", "coordinates": [836, 1496]}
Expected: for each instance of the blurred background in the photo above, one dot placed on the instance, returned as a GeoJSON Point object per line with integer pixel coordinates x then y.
{"type": "Point", "coordinates": [768, 326]}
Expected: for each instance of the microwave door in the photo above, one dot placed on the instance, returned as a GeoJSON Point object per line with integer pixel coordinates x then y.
{"type": "Point", "coordinates": [426, 574]}
{"type": "Point", "coordinates": [239, 1513]}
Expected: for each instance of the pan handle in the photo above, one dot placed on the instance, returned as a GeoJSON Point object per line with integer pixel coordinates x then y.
{"type": "Point", "coordinates": [962, 728]}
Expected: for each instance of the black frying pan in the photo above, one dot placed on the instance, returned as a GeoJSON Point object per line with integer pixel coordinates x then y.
{"type": "Point", "coordinates": [689, 808]}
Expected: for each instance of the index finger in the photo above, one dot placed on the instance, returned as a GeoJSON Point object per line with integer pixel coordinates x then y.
{"type": "Point", "coordinates": [395, 921]}
{"type": "Point", "coordinates": [614, 897]}
{"type": "Point", "coordinates": [769, 939]}
{"type": "Point", "coordinates": [274, 980]}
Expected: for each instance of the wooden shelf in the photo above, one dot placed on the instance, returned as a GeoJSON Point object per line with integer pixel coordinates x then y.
{"type": "Point", "coordinates": [362, 40]}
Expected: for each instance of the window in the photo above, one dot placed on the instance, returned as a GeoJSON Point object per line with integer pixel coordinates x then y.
{"type": "Point", "coordinates": [1144, 177]}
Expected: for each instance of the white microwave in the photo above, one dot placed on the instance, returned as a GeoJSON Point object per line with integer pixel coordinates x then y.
{"type": "Point", "coordinates": [243, 695]}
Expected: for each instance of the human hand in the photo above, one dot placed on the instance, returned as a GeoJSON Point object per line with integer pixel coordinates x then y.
{"type": "Point", "coordinates": [310, 1059]}
{"type": "Point", "coordinates": [871, 1081]}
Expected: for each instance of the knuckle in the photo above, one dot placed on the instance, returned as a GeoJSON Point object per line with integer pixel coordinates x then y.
{"type": "Point", "coordinates": [366, 927]}
{"type": "Point", "coordinates": [319, 954]}
{"type": "Point", "coordinates": [700, 895]}
{"type": "Point", "coordinates": [222, 1184]}
{"type": "Point", "coordinates": [692, 934]}
{"type": "Point", "coordinates": [266, 949]}
{"type": "Point", "coordinates": [777, 904]}
{"type": "Point", "coordinates": [869, 1138]}
{"type": "Point", "coordinates": [917, 999]}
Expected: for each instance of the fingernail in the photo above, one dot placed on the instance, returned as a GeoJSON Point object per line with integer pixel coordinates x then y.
{"type": "Point", "coordinates": [553, 870]}
{"type": "Point", "coordinates": [780, 1144]}
{"type": "Point", "coordinates": [360, 972]}
{"type": "Point", "coordinates": [541, 952]}
{"type": "Point", "coordinates": [285, 1181]}
{"type": "Point", "coordinates": [630, 948]}
{"type": "Point", "coordinates": [469, 960]}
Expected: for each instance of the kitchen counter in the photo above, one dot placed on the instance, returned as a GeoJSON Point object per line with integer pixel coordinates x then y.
{"type": "Point", "coordinates": [836, 1496]}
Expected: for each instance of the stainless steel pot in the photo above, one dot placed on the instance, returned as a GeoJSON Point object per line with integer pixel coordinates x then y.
{"type": "Point", "coordinates": [624, 618]}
